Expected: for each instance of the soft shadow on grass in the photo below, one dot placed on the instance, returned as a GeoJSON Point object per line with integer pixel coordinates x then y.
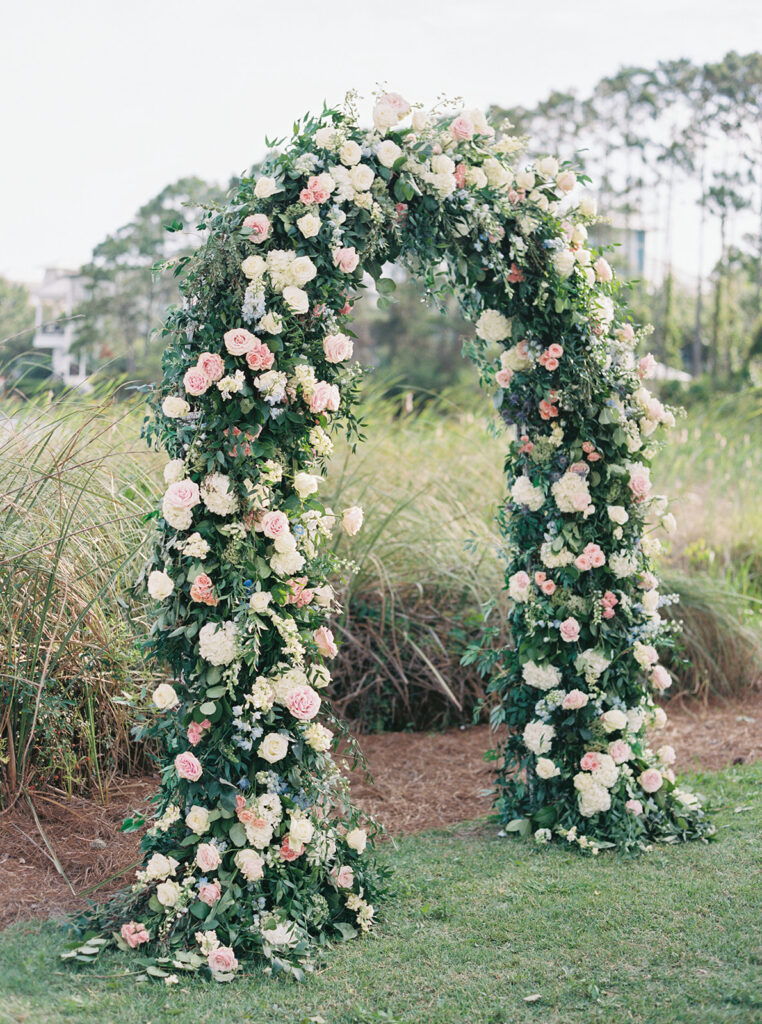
{"type": "Point", "coordinates": [478, 925]}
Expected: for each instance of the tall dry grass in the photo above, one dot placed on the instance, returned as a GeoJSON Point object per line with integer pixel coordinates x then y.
{"type": "Point", "coordinates": [75, 484]}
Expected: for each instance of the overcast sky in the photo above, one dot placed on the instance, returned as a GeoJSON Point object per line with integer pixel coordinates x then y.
{"type": "Point", "coordinates": [104, 103]}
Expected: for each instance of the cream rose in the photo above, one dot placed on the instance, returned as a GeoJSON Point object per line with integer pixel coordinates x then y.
{"type": "Point", "coordinates": [164, 696]}
{"type": "Point", "coordinates": [356, 839]}
{"type": "Point", "coordinates": [309, 225]}
{"type": "Point", "coordinates": [160, 585]}
{"type": "Point", "coordinates": [273, 747]}
{"type": "Point", "coordinates": [197, 819]}
{"type": "Point", "coordinates": [296, 299]}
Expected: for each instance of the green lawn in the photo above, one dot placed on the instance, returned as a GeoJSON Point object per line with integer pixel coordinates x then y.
{"type": "Point", "coordinates": [478, 924]}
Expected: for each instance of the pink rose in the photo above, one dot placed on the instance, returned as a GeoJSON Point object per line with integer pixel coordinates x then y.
{"type": "Point", "coordinates": [239, 341]}
{"type": "Point", "coordinates": [134, 933]}
{"type": "Point", "coordinates": [188, 767]}
{"type": "Point", "coordinates": [397, 103]}
{"type": "Point", "coordinates": [555, 350]}
{"type": "Point", "coordinates": [196, 381]}
{"type": "Point", "coordinates": [260, 227]}
{"type": "Point", "coordinates": [317, 191]}
{"type": "Point", "coordinates": [222, 960]}
{"type": "Point", "coordinates": [548, 587]}
{"type": "Point", "coordinates": [462, 128]}
{"type": "Point", "coordinates": [346, 259]}
{"type": "Point", "coordinates": [183, 494]}
{"type": "Point", "coordinates": [345, 877]}
{"type": "Point", "coordinates": [274, 524]}
{"type": "Point", "coordinates": [574, 700]}
{"type": "Point", "coordinates": [646, 367]}
{"type": "Point", "coordinates": [661, 679]}
{"type": "Point", "coordinates": [650, 780]}
{"type": "Point", "coordinates": [590, 762]}
{"type": "Point", "coordinates": [208, 857]}
{"type": "Point", "coordinates": [212, 365]}
{"type": "Point", "coordinates": [620, 751]}
{"type": "Point", "coordinates": [569, 630]}
{"type": "Point", "coordinates": [626, 333]}
{"type": "Point", "coordinates": [194, 733]}
{"type": "Point", "coordinates": [260, 357]}
{"type": "Point", "coordinates": [202, 590]}
{"type": "Point", "coordinates": [640, 482]}
{"type": "Point", "coordinates": [210, 892]}
{"type": "Point", "coordinates": [582, 562]}
{"type": "Point", "coordinates": [337, 347]}
{"type": "Point", "coordinates": [288, 852]}
{"type": "Point", "coordinates": [504, 377]}
{"type": "Point", "coordinates": [303, 702]}
{"type": "Point", "coordinates": [634, 807]}
{"type": "Point", "coordinates": [323, 637]}
{"type": "Point", "coordinates": [324, 396]}
{"type": "Point", "coordinates": [603, 270]}
{"type": "Point", "coordinates": [460, 175]}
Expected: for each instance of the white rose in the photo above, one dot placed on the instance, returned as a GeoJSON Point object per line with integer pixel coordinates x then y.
{"type": "Point", "coordinates": [617, 514]}
{"type": "Point", "coordinates": [164, 696]}
{"type": "Point", "coordinates": [253, 267]}
{"type": "Point", "coordinates": [442, 164]}
{"type": "Point", "coordinates": [250, 864]}
{"type": "Point", "coordinates": [563, 262]}
{"type": "Point", "coordinates": [301, 271]}
{"type": "Point", "coordinates": [525, 180]}
{"type": "Point", "coordinates": [361, 177]}
{"type": "Point", "coordinates": [420, 120]}
{"type": "Point", "coordinates": [197, 819]}
{"type": "Point", "coordinates": [350, 153]}
{"type": "Point", "coordinates": [546, 768]}
{"type": "Point", "coordinates": [168, 893]}
{"type": "Point", "coordinates": [323, 595]}
{"type": "Point", "coordinates": [588, 206]}
{"type": "Point", "coordinates": [356, 839]}
{"type": "Point", "coordinates": [325, 138]}
{"type": "Point", "coordinates": [160, 585]}
{"type": "Point", "coordinates": [388, 153]}
{"type": "Point", "coordinates": [300, 832]}
{"type": "Point", "coordinates": [306, 484]}
{"type": "Point", "coordinates": [273, 747]}
{"type": "Point", "coordinates": [352, 520]}
{"type": "Point", "coordinates": [174, 471]}
{"type": "Point", "coordinates": [272, 323]}
{"type": "Point", "coordinates": [296, 299]}
{"type": "Point", "coordinates": [614, 720]}
{"type": "Point", "coordinates": [175, 408]}
{"type": "Point", "coordinates": [548, 167]}
{"type": "Point", "coordinates": [497, 175]}
{"type": "Point", "coordinates": [309, 225]}
{"type": "Point", "coordinates": [265, 187]}
{"type": "Point", "coordinates": [493, 326]}
{"type": "Point", "coordinates": [259, 601]}
{"type": "Point", "coordinates": [669, 524]}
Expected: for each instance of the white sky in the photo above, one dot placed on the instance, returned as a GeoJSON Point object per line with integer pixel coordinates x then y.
{"type": "Point", "coordinates": [104, 103]}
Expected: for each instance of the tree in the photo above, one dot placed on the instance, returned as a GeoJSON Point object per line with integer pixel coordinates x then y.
{"type": "Point", "coordinates": [126, 298]}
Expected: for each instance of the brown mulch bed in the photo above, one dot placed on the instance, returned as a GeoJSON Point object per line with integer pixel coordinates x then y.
{"type": "Point", "coordinates": [420, 781]}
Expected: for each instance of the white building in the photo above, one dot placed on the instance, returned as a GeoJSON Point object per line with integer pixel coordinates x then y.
{"type": "Point", "coordinates": [55, 300]}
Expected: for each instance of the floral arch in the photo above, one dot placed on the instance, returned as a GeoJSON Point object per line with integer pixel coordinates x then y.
{"type": "Point", "coordinates": [255, 848]}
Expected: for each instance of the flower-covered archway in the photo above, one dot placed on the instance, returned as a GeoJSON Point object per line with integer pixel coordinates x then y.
{"type": "Point", "coordinates": [255, 848]}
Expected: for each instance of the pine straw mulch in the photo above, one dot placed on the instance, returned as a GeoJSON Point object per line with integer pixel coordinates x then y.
{"type": "Point", "coordinates": [420, 781]}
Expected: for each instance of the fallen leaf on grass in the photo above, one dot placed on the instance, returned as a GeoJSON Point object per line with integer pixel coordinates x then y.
{"type": "Point", "coordinates": [532, 999]}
